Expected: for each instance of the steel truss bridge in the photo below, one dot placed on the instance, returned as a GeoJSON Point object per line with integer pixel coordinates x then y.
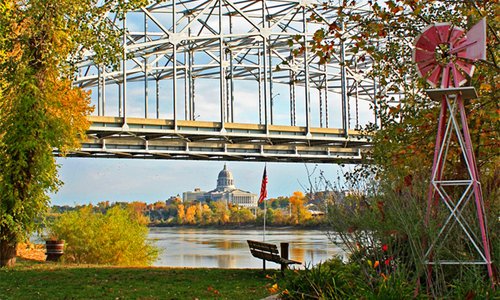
{"type": "Point", "coordinates": [225, 80]}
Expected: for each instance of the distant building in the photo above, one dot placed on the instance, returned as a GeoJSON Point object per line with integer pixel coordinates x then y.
{"type": "Point", "coordinates": [173, 199]}
{"type": "Point", "coordinates": [225, 191]}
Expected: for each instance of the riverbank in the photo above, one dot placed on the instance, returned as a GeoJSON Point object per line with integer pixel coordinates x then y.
{"type": "Point", "coordinates": [321, 227]}
{"type": "Point", "coordinates": [45, 280]}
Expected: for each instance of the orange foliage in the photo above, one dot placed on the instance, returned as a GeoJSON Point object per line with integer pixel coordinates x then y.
{"type": "Point", "coordinates": [138, 206]}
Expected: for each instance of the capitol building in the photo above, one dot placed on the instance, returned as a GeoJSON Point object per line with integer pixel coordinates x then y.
{"type": "Point", "coordinates": [225, 191]}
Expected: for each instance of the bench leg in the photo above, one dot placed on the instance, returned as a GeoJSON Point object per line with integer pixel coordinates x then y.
{"type": "Point", "coordinates": [284, 254]}
{"type": "Point", "coordinates": [283, 268]}
{"type": "Point", "coordinates": [264, 264]}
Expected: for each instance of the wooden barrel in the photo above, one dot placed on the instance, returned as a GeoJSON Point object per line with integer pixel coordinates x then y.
{"type": "Point", "coordinates": [55, 249]}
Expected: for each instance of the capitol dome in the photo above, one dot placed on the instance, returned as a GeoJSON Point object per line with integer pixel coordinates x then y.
{"type": "Point", "coordinates": [225, 180]}
{"type": "Point", "coordinates": [225, 192]}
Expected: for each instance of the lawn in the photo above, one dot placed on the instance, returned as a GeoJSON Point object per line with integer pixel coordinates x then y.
{"type": "Point", "coordinates": [41, 280]}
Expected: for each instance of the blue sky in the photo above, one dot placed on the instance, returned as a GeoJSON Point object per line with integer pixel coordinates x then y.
{"type": "Point", "coordinates": [90, 180]}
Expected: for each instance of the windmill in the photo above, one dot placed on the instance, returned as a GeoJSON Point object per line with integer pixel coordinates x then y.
{"type": "Point", "coordinates": [445, 55]}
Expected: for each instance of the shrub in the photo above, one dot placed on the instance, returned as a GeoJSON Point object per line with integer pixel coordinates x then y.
{"type": "Point", "coordinates": [334, 279]}
{"type": "Point", "coordinates": [117, 237]}
{"type": "Point", "coordinates": [328, 280]}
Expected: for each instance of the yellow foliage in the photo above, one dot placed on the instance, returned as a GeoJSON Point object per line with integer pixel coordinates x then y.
{"type": "Point", "coordinates": [180, 213]}
{"type": "Point", "coordinates": [190, 215]}
{"type": "Point", "coordinates": [117, 237]}
{"type": "Point", "coordinates": [299, 212]}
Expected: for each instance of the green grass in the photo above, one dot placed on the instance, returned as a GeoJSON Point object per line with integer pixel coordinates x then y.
{"type": "Point", "coordinates": [30, 280]}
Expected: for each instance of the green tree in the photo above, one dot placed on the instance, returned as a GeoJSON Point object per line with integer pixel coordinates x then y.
{"type": "Point", "coordinates": [117, 237]}
{"type": "Point", "coordinates": [40, 109]}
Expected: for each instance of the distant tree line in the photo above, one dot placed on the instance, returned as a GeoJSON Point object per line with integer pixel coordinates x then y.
{"type": "Point", "coordinates": [296, 210]}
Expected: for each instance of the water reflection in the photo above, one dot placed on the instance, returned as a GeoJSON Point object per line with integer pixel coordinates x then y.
{"type": "Point", "coordinates": [212, 248]}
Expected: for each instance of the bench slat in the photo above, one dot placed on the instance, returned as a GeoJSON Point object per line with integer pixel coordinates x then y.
{"type": "Point", "coordinates": [263, 247]}
{"type": "Point", "coordinates": [268, 252]}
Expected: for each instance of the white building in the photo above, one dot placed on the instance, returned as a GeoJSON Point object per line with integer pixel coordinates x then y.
{"type": "Point", "coordinates": [225, 191]}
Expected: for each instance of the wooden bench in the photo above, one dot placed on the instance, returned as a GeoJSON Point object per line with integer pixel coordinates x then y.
{"type": "Point", "coordinates": [270, 252]}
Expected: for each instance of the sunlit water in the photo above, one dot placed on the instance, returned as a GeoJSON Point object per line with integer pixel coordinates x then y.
{"type": "Point", "coordinates": [216, 248]}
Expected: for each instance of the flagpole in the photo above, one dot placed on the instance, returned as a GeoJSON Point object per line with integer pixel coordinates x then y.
{"type": "Point", "coordinates": [262, 198]}
{"type": "Point", "coordinates": [264, 232]}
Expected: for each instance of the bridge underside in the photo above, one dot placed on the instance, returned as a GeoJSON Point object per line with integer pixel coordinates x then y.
{"type": "Point", "coordinates": [111, 137]}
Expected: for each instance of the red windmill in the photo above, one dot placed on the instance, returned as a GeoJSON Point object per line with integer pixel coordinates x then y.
{"type": "Point", "coordinates": [445, 57]}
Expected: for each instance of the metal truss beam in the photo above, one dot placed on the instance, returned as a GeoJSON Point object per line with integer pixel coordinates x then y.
{"type": "Point", "coordinates": [192, 68]}
{"type": "Point", "coordinates": [161, 139]}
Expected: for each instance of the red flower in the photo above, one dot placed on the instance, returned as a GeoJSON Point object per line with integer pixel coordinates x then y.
{"type": "Point", "coordinates": [384, 247]}
{"type": "Point", "coordinates": [387, 262]}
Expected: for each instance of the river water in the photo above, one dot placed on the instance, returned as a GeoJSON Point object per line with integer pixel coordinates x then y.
{"type": "Point", "coordinates": [228, 248]}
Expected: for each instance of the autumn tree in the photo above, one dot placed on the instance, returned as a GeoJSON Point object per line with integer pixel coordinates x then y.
{"type": "Point", "coordinates": [40, 109]}
{"type": "Point", "coordinates": [383, 33]}
{"type": "Point", "coordinates": [206, 214]}
{"type": "Point", "coordinates": [181, 213]}
{"type": "Point", "coordinates": [138, 207]}
{"type": "Point", "coordinates": [199, 213]}
{"type": "Point", "coordinates": [221, 213]}
{"type": "Point", "coordinates": [281, 217]}
{"type": "Point", "coordinates": [160, 205]}
{"type": "Point", "coordinates": [190, 217]}
{"type": "Point", "coordinates": [405, 135]}
{"type": "Point", "coordinates": [241, 214]}
{"type": "Point", "coordinates": [299, 213]}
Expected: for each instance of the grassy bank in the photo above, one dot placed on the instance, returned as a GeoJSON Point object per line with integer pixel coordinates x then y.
{"type": "Point", "coordinates": [37, 280]}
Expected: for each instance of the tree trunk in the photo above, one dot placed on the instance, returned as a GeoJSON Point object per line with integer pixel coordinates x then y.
{"type": "Point", "coordinates": [7, 253]}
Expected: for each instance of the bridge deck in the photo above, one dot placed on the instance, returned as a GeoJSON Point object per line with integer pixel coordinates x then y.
{"type": "Point", "coordinates": [200, 140]}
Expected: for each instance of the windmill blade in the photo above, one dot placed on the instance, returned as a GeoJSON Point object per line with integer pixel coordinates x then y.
{"type": "Point", "coordinates": [424, 43]}
{"type": "Point", "coordinates": [423, 56]}
{"type": "Point", "coordinates": [465, 66]}
{"type": "Point", "coordinates": [443, 32]}
{"type": "Point", "coordinates": [434, 76]}
{"type": "Point", "coordinates": [456, 35]}
{"type": "Point", "coordinates": [446, 80]}
{"type": "Point", "coordinates": [425, 68]}
{"type": "Point", "coordinates": [477, 37]}
{"type": "Point", "coordinates": [458, 77]}
{"type": "Point", "coordinates": [445, 54]}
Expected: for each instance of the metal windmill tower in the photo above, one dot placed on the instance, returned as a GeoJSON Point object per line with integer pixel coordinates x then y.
{"type": "Point", "coordinates": [445, 56]}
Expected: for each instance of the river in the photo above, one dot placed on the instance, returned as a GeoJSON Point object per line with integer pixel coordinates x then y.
{"type": "Point", "coordinates": [228, 249]}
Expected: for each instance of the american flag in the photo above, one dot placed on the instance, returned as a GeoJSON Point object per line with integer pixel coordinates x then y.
{"type": "Point", "coordinates": [263, 187]}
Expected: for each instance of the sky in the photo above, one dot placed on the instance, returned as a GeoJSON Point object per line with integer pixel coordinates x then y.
{"type": "Point", "coordinates": [91, 180]}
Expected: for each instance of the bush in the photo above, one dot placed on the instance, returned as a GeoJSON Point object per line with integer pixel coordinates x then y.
{"type": "Point", "coordinates": [117, 237]}
{"type": "Point", "coordinates": [334, 279]}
